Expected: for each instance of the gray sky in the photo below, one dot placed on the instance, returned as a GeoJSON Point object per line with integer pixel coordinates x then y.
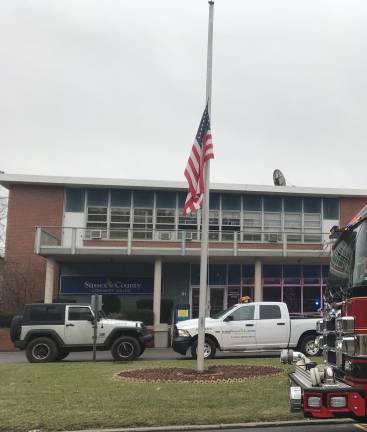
{"type": "Point", "coordinates": [117, 88]}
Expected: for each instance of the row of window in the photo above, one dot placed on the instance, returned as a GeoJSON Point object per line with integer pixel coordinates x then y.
{"type": "Point", "coordinates": [254, 218]}
{"type": "Point", "coordinates": [272, 274]}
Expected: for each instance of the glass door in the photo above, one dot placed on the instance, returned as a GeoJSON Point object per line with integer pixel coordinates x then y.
{"type": "Point", "coordinates": [216, 301]}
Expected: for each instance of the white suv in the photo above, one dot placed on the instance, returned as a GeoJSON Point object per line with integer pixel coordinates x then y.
{"type": "Point", "coordinates": [49, 332]}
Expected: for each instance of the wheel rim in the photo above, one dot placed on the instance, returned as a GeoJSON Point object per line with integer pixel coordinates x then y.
{"type": "Point", "coordinates": [311, 348]}
{"type": "Point", "coordinates": [40, 351]}
{"type": "Point", "coordinates": [125, 349]}
{"type": "Point", "coordinates": [207, 350]}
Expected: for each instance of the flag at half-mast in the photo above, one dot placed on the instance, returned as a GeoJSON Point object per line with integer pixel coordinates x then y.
{"type": "Point", "coordinates": [201, 152]}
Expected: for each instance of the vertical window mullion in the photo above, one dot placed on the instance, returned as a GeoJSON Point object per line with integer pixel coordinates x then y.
{"type": "Point", "coordinates": [109, 214]}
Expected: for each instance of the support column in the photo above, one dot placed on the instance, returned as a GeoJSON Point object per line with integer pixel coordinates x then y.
{"type": "Point", "coordinates": [49, 281]}
{"type": "Point", "coordinates": [258, 278]}
{"type": "Point", "coordinates": [157, 292]}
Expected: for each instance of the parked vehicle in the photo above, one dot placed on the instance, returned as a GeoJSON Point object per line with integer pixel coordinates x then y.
{"type": "Point", "coordinates": [49, 332]}
{"type": "Point", "coordinates": [338, 386]}
{"type": "Point", "coordinates": [260, 326]}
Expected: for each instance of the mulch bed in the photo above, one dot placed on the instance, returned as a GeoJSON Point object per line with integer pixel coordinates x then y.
{"type": "Point", "coordinates": [213, 374]}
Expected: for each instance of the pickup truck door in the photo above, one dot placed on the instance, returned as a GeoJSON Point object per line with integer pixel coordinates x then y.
{"type": "Point", "coordinates": [78, 326]}
{"type": "Point", "coordinates": [239, 329]}
{"type": "Point", "coordinates": [272, 330]}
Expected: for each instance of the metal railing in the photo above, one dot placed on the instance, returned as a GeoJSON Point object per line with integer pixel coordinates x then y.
{"type": "Point", "coordinates": [76, 238]}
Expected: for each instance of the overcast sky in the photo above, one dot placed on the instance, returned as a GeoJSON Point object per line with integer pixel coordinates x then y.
{"type": "Point", "coordinates": [117, 88]}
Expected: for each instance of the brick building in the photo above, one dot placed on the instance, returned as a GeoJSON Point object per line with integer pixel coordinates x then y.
{"type": "Point", "coordinates": [126, 239]}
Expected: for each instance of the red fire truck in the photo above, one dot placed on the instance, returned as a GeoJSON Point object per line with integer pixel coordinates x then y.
{"type": "Point", "coordinates": [338, 386]}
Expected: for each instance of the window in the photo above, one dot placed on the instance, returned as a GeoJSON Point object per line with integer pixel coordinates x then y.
{"type": "Point", "coordinates": [217, 274]}
{"type": "Point", "coordinates": [187, 225]}
{"type": "Point", "coordinates": [272, 226]}
{"type": "Point", "coordinates": [166, 199]}
{"type": "Point", "coordinates": [312, 205]}
{"type": "Point", "coordinates": [252, 203]}
{"type": "Point", "coordinates": [120, 198]}
{"type": "Point", "coordinates": [213, 224]}
{"type": "Point", "coordinates": [231, 202]}
{"type": "Point", "coordinates": [312, 227]}
{"type": "Point", "coordinates": [97, 203]}
{"type": "Point", "coordinates": [98, 197]}
{"type": "Point", "coordinates": [272, 204]}
{"type": "Point", "coordinates": [231, 221]}
{"type": "Point", "coordinates": [270, 312]}
{"type": "Point", "coordinates": [243, 313]}
{"type": "Point", "coordinates": [293, 226]}
{"type": "Point", "coordinates": [292, 296]}
{"type": "Point", "coordinates": [331, 208]}
{"type": "Point", "coordinates": [143, 199]}
{"type": "Point", "coordinates": [79, 314]}
{"type": "Point", "coordinates": [233, 295]}
{"type": "Point", "coordinates": [293, 218]}
{"type": "Point", "coordinates": [74, 200]}
{"type": "Point", "coordinates": [120, 222]}
{"type": "Point", "coordinates": [252, 226]}
{"type": "Point", "coordinates": [143, 223]}
{"type": "Point", "coordinates": [214, 201]}
{"type": "Point", "coordinates": [96, 222]}
{"type": "Point", "coordinates": [272, 293]}
{"type": "Point", "coordinates": [311, 298]}
{"type": "Point", "coordinates": [234, 274]}
{"type": "Point", "coordinates": [47, 313]}
{"type": "Point", "coordinates": [165, 219]}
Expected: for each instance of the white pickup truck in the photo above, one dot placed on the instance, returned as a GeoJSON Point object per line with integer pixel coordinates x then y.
{"type": "Point", "coordinates": [263, 326]}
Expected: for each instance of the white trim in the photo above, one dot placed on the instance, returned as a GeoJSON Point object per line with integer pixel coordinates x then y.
{"type": "Point", "coordinates": [7, 179]}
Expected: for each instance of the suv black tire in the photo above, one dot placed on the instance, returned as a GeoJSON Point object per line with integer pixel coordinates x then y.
{"type": "Point", "coordinates": [125, 348]}
{"type": "Point", "coordinates": [61, 355]}
{"type": "Point", "coordinates": [211, 348]}
{"type": "Point", "coordinates": [305, 346]}
{"type": "Point", "coordinates": [41, 350]}
{"type": "Point", "coordinates": [15, 327]}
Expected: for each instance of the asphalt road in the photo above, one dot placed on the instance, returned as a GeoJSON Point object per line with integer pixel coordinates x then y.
{"type": "Point", "coordinates": [149, 354]}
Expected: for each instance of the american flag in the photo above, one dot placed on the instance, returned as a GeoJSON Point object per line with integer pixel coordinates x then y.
{"type": "Point", "coordinates": [202, 150]}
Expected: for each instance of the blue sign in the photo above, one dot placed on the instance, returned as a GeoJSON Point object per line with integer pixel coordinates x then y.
{"type": "Point", "coordinates": [105, 285]}
{"type": "Point", "coordinates": [182, 312]}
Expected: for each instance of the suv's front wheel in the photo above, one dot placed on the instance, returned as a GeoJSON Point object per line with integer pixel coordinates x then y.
{"type": "Point", "coordinates": [125, 348]}
{"type": "Point", "coordinates": [41, 350]}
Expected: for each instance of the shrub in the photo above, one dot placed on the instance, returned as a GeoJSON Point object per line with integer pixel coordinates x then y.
{"type": "Point", "coordinates": [166, 308]}
{"type": "Point", "coordinates": [5, 319]}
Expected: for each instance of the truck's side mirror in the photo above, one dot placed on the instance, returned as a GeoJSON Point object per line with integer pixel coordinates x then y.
{"type": "Point", "coordinates": [228, 318]}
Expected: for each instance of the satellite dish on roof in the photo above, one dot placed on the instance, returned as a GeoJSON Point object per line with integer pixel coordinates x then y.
{"type": "Point", "coordinates": [278, 178]}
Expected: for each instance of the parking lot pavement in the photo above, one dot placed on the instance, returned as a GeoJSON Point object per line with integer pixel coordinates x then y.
{"type": "Point", "coordinates": [149, 354]}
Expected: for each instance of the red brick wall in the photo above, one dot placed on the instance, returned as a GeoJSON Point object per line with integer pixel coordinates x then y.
{"type": "Point", "coordinates": [24, 271]}
{"type": "Point", "coordinates": [349, 207]}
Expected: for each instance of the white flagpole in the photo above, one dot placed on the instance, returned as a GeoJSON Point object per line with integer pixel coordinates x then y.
{"type": "Point", "coordinates": [205, 209]}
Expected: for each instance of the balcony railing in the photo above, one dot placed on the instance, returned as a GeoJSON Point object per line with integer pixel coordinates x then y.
{"type": "Point", "coordinates": [73, 240]}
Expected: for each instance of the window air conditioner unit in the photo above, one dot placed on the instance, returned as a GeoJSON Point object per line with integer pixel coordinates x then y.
{"type": "Point", "coordinates": [273, 238]}
{"type": "Point", "coordinates": [188, 235]}
{"type": "Point", "coordinates": [164, 235]}
{"type": "Point", "coordinates": [96, 234]}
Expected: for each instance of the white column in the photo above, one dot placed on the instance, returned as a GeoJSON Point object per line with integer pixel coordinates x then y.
{"type": "Point", "coordinates": [258, 278]}
{"type": "Point", "coordinates": [157, 292]}
{"type": "Point", "coordinates": [49, 282]}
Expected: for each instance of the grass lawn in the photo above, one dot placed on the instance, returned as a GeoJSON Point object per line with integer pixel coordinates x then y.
{"type": "Point", "coordinates": [65, 395]}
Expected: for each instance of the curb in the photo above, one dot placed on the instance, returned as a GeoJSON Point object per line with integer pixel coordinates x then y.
{"type": "Point", "coordinates": [220, 426]}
